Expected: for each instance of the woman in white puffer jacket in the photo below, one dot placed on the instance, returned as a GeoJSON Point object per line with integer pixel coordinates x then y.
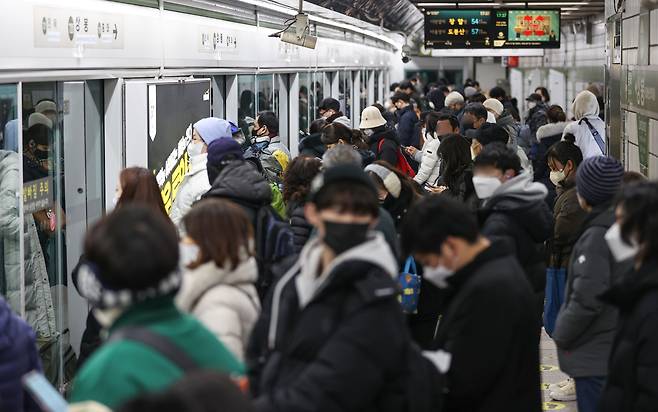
{"type": "Point", "coordinates": [219, 284]}
{"type": "Point", "coordinates": [428, 157]}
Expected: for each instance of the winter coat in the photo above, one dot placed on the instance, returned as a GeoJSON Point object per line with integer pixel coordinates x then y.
{"type": "Point", "coordinates": [312, 146]}
{"type": "Point", "coordinates": [398, 207]}
{"type": "Point", "coordinates": [301, 229]}
{"type": "Point", "coordinates": [407, 121]}
{"type": "Point", "coordinates": [224, 301]}
{"type": "Point", "coordinates": [241, 183]}
{"type": "Point", "coordinates": [390, 147]}
{"type": "Point", "coordinates": [511, 109]}
{"type": "Point", "coordinates": [195, 184]}
{"type": "Point", "coordinates": [587, 108]}
{"type": "Point", "coordinates": [429, 162]}
{"type": "Point", "coordinates": [585, 326]}
{"type": "Point", "coordinates": [367, 157]}
{"type": "Point", "coordinates": [342, 119]}
{"type": "Point", "coordinates": [535, 119]}
{"type": "Point", "coordinates": [511, 126]}
{"type": "Point", "coordinates": [386, 225]}
{"type": "Point", "coordinates": [39, 310]}
{"type": "Point", "coordinates": [333, 342]}
{"type": "Point", "coordinates": [490, 296]}
{"type": "Point", "coordinates": [18, 356]}
{"type": "Point", "coordinates": [547, 136]}
{"type": "Point", "coordinates": [518, 214]}
{"type": "Point", "coordinates": [122, 369]}
{"type": "Point", "coordinates": [569, 218]}
{"type": "Point", "coordinates": [632, 384]}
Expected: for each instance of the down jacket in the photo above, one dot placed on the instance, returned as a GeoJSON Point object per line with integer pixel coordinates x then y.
{"type": "Point", "coordinates": [407, 121]}
{"type": "Point", "coordinates": [518, 215]}
{"type": "Point", "coordinates": [333, 342]}
{"type": "Point", "coordinates": [224, 301]}
{"type": "Point", "coordinates": [18, 356]}
{"type": "Point", "coordinates": [389, 148]}
{"type": "Point", "coordinates": [585, 326]}
{"type": "Point", "coordinates": [490, 297]}
{"type": "Point", "coordinates": [568, 217]}
{"type": "Point", "coordinates": [632, 384]}
{"type": "Point", "coordinates": [429, 162]}
{"type": "Point", "coordinates": [39, 311]}
{"type": "Point", "coordinates": [301, 229]}
{"type": "Point", "coordinates": [240, 182]}
{"type": "Point", "coordinates": [194, 185]}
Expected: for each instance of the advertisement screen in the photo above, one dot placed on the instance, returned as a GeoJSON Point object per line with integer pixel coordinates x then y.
{"type": "Point", "coordinates": [173, 109]}
{"type": "Point", "coordinates": [491, 28]}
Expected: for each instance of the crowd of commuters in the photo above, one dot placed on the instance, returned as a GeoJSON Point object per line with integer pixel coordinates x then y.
{"type": "Point", "coordinates": [274, 283]}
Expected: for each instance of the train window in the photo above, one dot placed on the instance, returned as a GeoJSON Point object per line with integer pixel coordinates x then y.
{"type": "Point", "coordinates": [363, 90]}
{"type": "Point", "coordinates": [247, 103]}
{"type": "Point", "coordinates": [265, 96]}
{"type": "Point", "coordinates": [345, 92]}
{"type": "Point", "coordinates": [317, 92]}
{"type": "Point", "coordinates": [304, 81]}
{"type": "Point", "coordinates": [377, 87]}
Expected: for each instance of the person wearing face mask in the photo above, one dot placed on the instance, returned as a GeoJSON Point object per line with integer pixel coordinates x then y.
{"type": "Point", "coordinates": [513, 210]}
{"type": "Point", "coordinates": [436, 126]}
{"type": "Point", "coordinates": [396, 192]}
{"type": "Point", "coordinates": [407, 120]}
{"type": "Point", "coordinates": [584, 328]}
{"type": "Point", "coordinates": [130, 276]}
{"type": "Point", "coordinates": [475, 116]}
{"type": "Point", "coordinates": [36, 152]}
{"type": "Point", "coordinates": [267, 150]}
{"type": "Point", "coordinates": [220, 272]}
{"type": "Point", "coordinates": [338, 134]}
{"type": "Point", "coordinates": [485, 293]}
{"type": "Point", "coordinates": [195, 183]}
{"type": "Point", "coordinates": [547, 136]}
{"type": "Point", "coordinates": [384, 141]}
{"type": "Point", "coordinates": [329, 110]}
{"type": "Point", "coordinates": [632, 382]}
{"type": "Point", "coordinates": [535, 118]}
{"type": "Point", "coordinates": [333, 331]}
{"type": "Point", "coordinates": [504, 119]}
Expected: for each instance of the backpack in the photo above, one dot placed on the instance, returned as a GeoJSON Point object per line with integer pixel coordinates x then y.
{"type": "Point", "coordinates": [274, 242]}
{"type": "Point", "coordinates": [402, 164]}
{"type": "Point", "coordinates": [268, 163]}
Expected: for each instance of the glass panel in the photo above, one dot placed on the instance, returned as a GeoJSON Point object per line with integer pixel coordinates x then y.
{"type": "Point", "coordinates": [348, 94]}
{"type": "Point", "coordinates": [247, 104]}
{"type": "Point", "coordinates": [276, 99]}
{"type": "Point", "coordinates": [318, 93]}
{"type": "Point", "coordinates": [303, 102]}
{"type": "Point", "coordinates": [45, 220]}
{"type": "Point", "coordinates": [377, 87]}
{"type": "Point", "coordinates": [11, 286]}
{"type": "Point", "coordinates": [363, 92]}
{"type": "Point", "coordinates": [265, 92]}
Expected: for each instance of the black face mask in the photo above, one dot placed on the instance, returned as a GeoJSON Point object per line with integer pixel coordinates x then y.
{"type": "Point", "coordinates": [41, 154]}
{"type": "Point", "coordinates": [344, 236]}
{"type": "Point", "coordinates": [254, 132]}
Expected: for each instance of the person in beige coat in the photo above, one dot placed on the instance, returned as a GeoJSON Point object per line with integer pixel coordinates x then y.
{"type": "Point", "coordinates": [218, 284]}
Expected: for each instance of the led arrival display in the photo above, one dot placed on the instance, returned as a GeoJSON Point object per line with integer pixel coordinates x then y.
{"type": "Point", "coordinates": [491, 28]}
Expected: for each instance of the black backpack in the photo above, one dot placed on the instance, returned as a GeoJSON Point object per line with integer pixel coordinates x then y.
{"type": "Point", "coordinates": [274, 242]}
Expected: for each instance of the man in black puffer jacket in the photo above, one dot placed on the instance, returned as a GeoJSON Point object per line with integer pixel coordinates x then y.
{"type": "Point", "coordinates": [331, 336]}
{"type": "Point", "coordinates": [513, 210]}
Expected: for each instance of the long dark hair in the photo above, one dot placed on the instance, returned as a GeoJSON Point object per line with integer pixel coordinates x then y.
{"type": "Point", "coordinates": [334, 132]}
{"type": "Point", "coordinates": [138, 185]}
{"type": "Point", "coordinates": [455, 153]}
{"type": "Point", "coordinates": [298, 177]}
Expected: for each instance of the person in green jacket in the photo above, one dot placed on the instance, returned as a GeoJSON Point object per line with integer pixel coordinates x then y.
{"type": "Point", "coordinates": [129, 274]}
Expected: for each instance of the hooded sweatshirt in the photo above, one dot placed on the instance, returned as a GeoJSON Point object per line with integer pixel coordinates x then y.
{"type": "Point", "coordinates": [586, 109]}
{"type": "Point", "coordinates": [517, 214]}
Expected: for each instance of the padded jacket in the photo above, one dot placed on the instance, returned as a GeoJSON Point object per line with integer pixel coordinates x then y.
{"type": "Point", "coordinates": [390, 146]}
{"type": "Point", "coordinates": [430, 164]}
{"type": "Point", "coordinates": [632, 384]}
{"type": "Point", "coordinates": [407, 121]}
{"type": "Point", "coordinates": [301, 229]}
{"type": "Point", "coordinates": [585, 326]}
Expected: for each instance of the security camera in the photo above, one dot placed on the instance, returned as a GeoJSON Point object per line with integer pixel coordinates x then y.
{"type": "Point", "coordinates": [406, 51]}
{"type": "Point", "coordinates": [406, 59]}
{"type": "Point", "coordinates": [298, 32]}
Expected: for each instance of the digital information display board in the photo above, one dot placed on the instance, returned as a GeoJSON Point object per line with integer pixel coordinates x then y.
{"type": "Point", "coordinates": [492, 28]}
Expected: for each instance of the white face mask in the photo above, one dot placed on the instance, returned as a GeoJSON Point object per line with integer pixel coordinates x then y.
{"type": "Point", "coordinates": [195, 148]}
{"type": "Point", "coordinates": [189, 253]}
{"type": "Point", "coordinates": [438, 275]}
{"type": "Point", "coordinates": [618, 247]}
{"type": "Point", "coordinates": [368, 132]}
{"type": "Point", "coordinates": [557, 176]}
{"type": "Point", "coordinates": [532, 105]}
{"type": "Point", "coordinates": [485, 186]}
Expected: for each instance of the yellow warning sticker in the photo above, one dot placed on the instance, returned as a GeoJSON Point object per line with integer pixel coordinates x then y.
{"type": "Point", "coordinates": [544, 386]}
{"type": "Point", "coordinates": [548, 368]}
{"type": "Point", "coordinates": [553, 406]}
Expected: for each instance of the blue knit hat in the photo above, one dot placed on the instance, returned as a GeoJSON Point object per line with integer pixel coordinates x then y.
{"type": "Point", "coordinates": [212, 128]}
{"type": "Point", "coordinates": [598, 179]}
{"type": "Point", "coordinates": [220, 148]}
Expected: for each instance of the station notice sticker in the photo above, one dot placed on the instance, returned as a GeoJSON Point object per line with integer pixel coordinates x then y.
{"type": "Point", "coordinates": [62, 28]}
{"type": "Point", "coordinates": [553, 406]}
